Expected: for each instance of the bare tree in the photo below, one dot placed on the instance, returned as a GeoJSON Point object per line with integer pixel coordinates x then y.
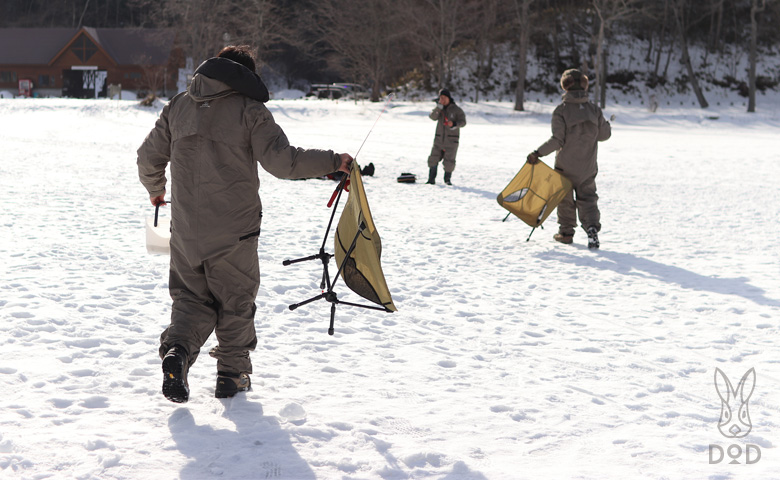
{"type": "Point", "coordinates": [678, 8]}
{"type": "Point", "coordinates": [523, 23]}
{"type": "Point", "coordinates": [153, 79]}
{"type": "Point", "coordinates": [608, 12]}
{"type": "Point", "coordinates": [716, 24]}
{"type": "Point", "coordinates": [200, 25]}
{"type": "Point", "coordinates": [664, 20]}
{"type": "Point", "coordinates": [754, 10]}
{"type": "Point", "coordinates": [365, 35]}
{"type": "Point", "coordinates": [440, 25]}
{"type": "Point", "coordinates": [260, 23]}
{"type": "Point", "coordinates": [81, 18]}
{"type": "Point", "coordinates": [486, 30]}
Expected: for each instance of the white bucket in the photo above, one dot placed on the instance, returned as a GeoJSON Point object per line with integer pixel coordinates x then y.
{"type": "Point", "coordinates": [158, 239]}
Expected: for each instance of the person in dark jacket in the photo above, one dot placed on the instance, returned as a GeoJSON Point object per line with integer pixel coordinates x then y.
{"type": "Point", "coordinates": [214, 135]}
{"type": "Point", "coordinates": [450, 119]}
{"type": "Point", "coordinates": [577, 127]}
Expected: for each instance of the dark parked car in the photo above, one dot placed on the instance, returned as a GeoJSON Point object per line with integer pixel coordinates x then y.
{"type": "Point", "coordinates": [335, 91]}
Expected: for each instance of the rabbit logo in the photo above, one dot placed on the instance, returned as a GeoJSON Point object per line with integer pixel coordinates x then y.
{"type": "Point", "coordinates": [734, 416]}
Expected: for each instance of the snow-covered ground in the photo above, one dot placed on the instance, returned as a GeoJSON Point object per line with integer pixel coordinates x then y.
{"type": "Point", "coordinates": [507, 359]}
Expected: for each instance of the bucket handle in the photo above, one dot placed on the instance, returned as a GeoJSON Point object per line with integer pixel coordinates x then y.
{"type": "Point", "coordinates": [157, 211]}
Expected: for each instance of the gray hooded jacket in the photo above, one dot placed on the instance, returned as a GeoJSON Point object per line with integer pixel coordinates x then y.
{"type": "Point", "coordinates": [577, 127]}
{"type": "Point", "coordinates": [214, 135]}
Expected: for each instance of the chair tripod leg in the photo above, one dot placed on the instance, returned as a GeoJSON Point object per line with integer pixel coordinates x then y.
{"type": "Point", "coordinates": [306, 302]}
{"type": "Point", "coordinates": [332, 318]}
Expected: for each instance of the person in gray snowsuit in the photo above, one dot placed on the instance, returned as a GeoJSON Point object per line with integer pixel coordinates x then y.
{"type": "Point", "coordinates": [450, 119]}
{"type": "Point", "coordinates": [577, 127]}
{"type": "Point", "coordinates": [213, 136]}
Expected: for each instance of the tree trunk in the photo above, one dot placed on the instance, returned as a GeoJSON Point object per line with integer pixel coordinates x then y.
{"type": "Point", "coordinates": [662, 39]}
{"type": "Point", "coordinates": [716, 22]}
{"type": "Point", "coordinates": [81, 19]}
{"type": "Point", "coordinates": [754, 9]}
{"type": "Point", "coordinates": [686, 57]}
{"type": "Point", "coordinates": [442, 50]}
{"type": "Point", "coordinates": [603, 77]}
{"type": "Point", "coordinates": [479, 74]}
{"type": "Point", "coordinates": [556, 44]}
{"type": "Point", "coordinates": [575, 54]}
{"type": "Point", "coordinates": [650, 48]}
{"type": "Point", "coordinates": [375, 89]}
{"type": "Point", "coordinates": [522, 67]}
{"type": "Point", "coordinates": [600, 67]}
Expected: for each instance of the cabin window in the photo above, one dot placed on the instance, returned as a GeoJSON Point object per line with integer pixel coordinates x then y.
{"type": "Point", "coordinates": [46, 80]}
{"type": "Point", "coordinates": [83, 48]}
{"type": "Point", "coordinates": [7, 77]}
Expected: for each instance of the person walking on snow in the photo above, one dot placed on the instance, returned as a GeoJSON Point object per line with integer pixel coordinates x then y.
{"type": "Point", "coordinates": [213, 135]}
{"type": "Point", "coordinates": [451, 119]}
{"type": "Point", "coordinates": [577, 127]}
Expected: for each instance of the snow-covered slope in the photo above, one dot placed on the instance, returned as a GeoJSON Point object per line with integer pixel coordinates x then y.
{"type": "Point", "coordinates": [507, 359]}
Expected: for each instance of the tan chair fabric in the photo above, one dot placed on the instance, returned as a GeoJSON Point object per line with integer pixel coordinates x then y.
{"type": "Point", "coordinates": [362, 272]}
{"type": "Point", "coordinates": [534, 193]}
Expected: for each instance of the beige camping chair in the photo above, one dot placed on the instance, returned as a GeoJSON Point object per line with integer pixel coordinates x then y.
{"type": "Point", "coordinates": [534, 193]}
{"type": "Point", "coordinates": [358, 249]}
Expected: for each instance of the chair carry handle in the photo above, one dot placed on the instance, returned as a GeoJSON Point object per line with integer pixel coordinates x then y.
{"type": "Point", "coordinates": [157, 211]}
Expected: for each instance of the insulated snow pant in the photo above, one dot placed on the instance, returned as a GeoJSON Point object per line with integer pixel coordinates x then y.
{"type": "Point", "coordinates": [585, 206]}
{"type": "Point", "coordinates": [446, 157]}
{"type": "Point", "coordinates": [218, 296]}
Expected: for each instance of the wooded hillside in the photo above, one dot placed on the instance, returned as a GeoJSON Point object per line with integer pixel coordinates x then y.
{"type": "Point", "coordinates": [388, 43]}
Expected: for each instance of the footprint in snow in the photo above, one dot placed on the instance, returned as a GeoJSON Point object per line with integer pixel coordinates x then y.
{"type": "Point", "coordinates": [534, 334]}
{"type": "Point", "coordinates": [61, 402]}
{"type": "Point", "coordinates": [500, 408]}
{"type": "Point", "coordinates": [661, 388]}
{"type": "Point", "coordinates": [95, 402]}
{"type": "Point", "coordinates": [344, 427]}
{"type": "Point", "coordinates": [589, 350]}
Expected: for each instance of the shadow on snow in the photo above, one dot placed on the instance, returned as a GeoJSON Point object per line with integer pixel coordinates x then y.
{"type": "Point", "coordinates": [258, 448]}
{"type": "Point", "coordinates": [631, 265]}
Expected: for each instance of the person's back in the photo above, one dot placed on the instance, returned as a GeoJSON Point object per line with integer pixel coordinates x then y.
{"type": "Point", "coordinates": [584, 126]}
{"type": "Point", "coordinates": [213, 136]}
{"type": "Point", "coordinates": [214, 177]}
{"type": "Point", "coordinates": [577, 127]}
{"type": "Point", "coordinates": [218, 130]}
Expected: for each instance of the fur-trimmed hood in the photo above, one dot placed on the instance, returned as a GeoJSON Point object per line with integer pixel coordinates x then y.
{"type": "Point", "coordinates": [233, 75]}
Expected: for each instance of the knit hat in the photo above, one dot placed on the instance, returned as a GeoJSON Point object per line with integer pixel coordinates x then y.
{"type": "Point", "coordinates": [573, 79]}
{"type": "Point", "coordinates": [446, 93]}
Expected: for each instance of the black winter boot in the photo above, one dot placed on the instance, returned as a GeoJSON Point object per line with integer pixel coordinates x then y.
{"type": "Point", "coordinates": [431, 176]}
{"type": "Point", "coordinates": [447, 178]}
{"type": "Point", "coordinates": [593, 237]}
{"type": "Point", "coordinates": [229, 384]}
{"type": "Point", "coordinates": [175, 365]}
